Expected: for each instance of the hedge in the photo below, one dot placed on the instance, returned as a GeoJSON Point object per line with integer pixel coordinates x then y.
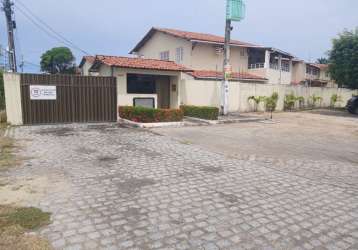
{"type": "Point", "coordinates": [207, 113]}
{"type": "Point", "coordinates": [149, 115]}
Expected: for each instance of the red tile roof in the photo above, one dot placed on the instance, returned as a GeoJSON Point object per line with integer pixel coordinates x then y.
{"type": "Point", "coordinates": [320, 66]}
{"type": "Point", "coordinates": [191, 36]}
{"type": "Point", "coordinates": [140, 63]}
{"type": "Point", "coordinates": [202, 37]}
{"type": "Point", "coordinates": [211, 74]}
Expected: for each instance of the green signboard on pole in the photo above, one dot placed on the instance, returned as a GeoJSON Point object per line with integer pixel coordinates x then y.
{"type": "Point", "coordinates": [235, 10]}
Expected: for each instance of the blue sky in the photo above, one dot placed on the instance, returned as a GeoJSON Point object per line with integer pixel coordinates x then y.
{"type": "Point", "coordinates": [304, 28]}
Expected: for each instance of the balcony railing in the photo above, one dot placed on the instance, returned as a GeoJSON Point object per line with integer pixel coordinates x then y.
{"type": "Point", "coordinates": [274, 66]}
{"type": "Point", "coordinates": [284, 67]}
{"type": "Point", "coordinates": [256, 66]}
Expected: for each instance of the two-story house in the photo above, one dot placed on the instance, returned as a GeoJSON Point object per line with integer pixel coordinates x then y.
{"type": "Point", "coordinates": [172, 67]}
{"type": "Point", "coordinates": [204, 53]}
{"type": "Point", "coordinates": [311, 74]}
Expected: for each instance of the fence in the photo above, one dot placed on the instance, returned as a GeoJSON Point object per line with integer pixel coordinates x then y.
{"type": "Point", "coordinates": [207, 93]}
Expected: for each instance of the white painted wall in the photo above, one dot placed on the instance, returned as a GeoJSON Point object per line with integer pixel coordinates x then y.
{"type": "Point", "coordinates": [125, 99]}
{"type": "Point", "coordinates": [207, 93]}
{"type": "Point", "coordinates": [13, 98]}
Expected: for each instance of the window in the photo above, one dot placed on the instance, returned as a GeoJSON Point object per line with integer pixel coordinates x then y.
{"type": "Point", "coordinates": [285, 66]}
{"type": "Point", "coordinates": [312, 71]}
{"type": "Point", "coordinates": [327, 74]}
{"type": "Point", "coordinates": [179, 55]}
{"type": "Point", "coordinates": [140, 84]}
{"type": "Point", "coordinates": [164, 55]}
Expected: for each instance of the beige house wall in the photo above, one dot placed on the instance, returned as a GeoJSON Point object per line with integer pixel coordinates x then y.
{"type": "Point", "coordinates": [298, 72]}
{"type": "Point", "coordinates": [199, 56]}
{"type": "Point", "coordinates": [205, 57]}
{"type": "Point", "coordinates": [13, 98]}
{"type": "Point", "coordinates": [161, 42]}
{"type": "Point", "coordinates": [125, 99]}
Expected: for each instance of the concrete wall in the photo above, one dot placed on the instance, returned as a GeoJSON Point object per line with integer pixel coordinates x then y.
{"type": "Point", "coordinates": [207, 93]}
{"type": "Point", "coordinates": [125, 99]}
{"type": "Point", "coordinates": [13, 98]}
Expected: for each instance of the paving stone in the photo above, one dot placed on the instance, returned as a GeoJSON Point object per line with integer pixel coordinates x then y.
{"type": "Point", "coordinates": [114, 188]}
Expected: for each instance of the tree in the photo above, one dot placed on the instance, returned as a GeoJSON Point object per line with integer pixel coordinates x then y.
{"type": "Point", "coordinates": [322, 60]}
{"type": "Point", "coordinates": [58, 60]}
{"type": "Point", "coordinates": [343, 59]}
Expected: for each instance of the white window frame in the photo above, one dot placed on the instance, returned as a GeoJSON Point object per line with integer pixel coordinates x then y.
{"type": "Point", "coordinates": [179, 55]}
{"type": "Point", "coordinates": [164, 55]}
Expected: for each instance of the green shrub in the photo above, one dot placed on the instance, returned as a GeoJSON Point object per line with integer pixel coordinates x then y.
{"type": "Point", "coordinates": [316, 99]}
{"type": "Point", "coordinates": [207, 113]}
{"type": "Point", "coordinates": [271, 103]}
{"type": "Point", "coordinates": [335, 98]}
{"type": "Point", "coordinates": [290, 101]}
{"type": "Point", "coordinates": [148, 115]}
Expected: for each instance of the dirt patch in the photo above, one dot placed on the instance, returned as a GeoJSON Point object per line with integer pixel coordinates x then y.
{"type": "Point", "coordinates": [15, 222]}
{"type": "Point", "coordinates": [23, 191]}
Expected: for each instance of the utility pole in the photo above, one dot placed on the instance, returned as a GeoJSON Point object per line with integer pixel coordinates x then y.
{"type": "Point", "coordinates": [227, 69]}
{"type": "Point", "coordinates": [235, 11]}
{"type": "Point", "coordinates": [11, 25]}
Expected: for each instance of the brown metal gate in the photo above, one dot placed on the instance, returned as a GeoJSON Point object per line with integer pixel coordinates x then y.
{"type": "Point", "coordinates": [78, 99]}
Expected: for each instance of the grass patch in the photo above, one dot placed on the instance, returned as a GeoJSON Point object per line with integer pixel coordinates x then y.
{"type": "Point", "coordinates": [16, 221]}
{"type": "Point", "coordinates": [28, 218]}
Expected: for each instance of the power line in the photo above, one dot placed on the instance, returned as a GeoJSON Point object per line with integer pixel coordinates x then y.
{"type": "Point", "coordinates": [46, 28]}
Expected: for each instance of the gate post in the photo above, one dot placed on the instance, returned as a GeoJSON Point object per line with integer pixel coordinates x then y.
{"type": "Point", "coordinates": [12, 82]}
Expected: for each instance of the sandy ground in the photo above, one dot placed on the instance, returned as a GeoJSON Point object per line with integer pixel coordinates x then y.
{"type": "Point", "coordinates": [315, 135]}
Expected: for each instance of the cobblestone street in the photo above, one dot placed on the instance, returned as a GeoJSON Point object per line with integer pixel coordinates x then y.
{"type": "Point", "coordinates": [119, 188]}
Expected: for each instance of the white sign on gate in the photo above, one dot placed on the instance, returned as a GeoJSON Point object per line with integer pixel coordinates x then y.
{"type": "Point", "coordinates": [42, 92]}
